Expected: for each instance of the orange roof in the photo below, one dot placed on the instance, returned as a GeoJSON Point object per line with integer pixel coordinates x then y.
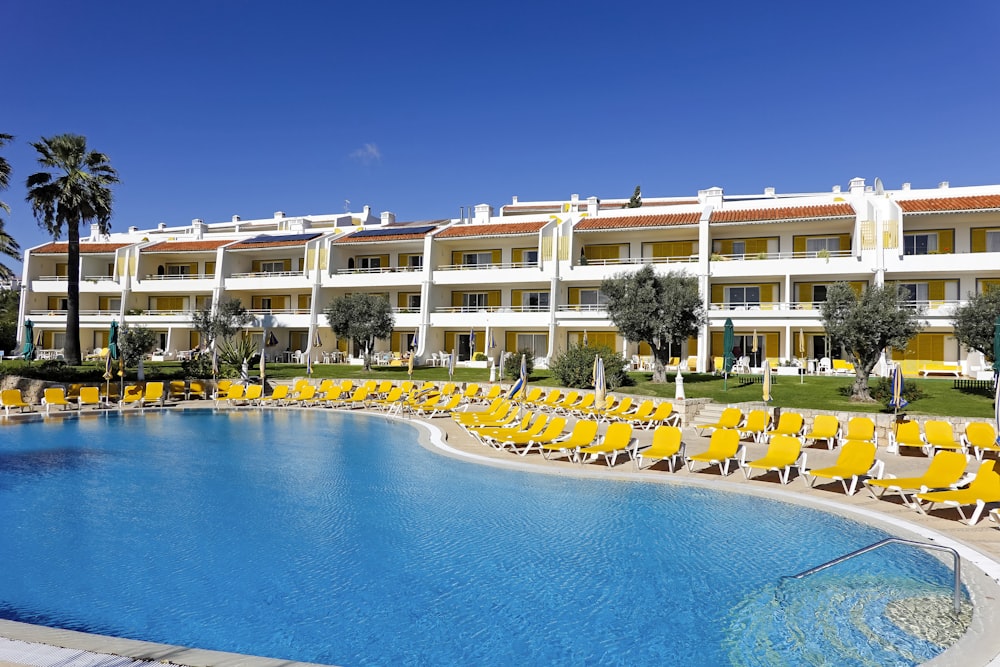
{"type": "Point", "coordinates": [505, 229]}
{"type": "Point", "coordinates": [639, 221]}
{"type": "Point", "coordinates": [350, 238]}
{"type": "Point", "coordinates": [62, 247]}
{"type": "Point", "coordinates": [185, 246]}
{"type": "Point", "coordinates": [839, 210]}
{"type": "Point", "coordinates": [939, 204]}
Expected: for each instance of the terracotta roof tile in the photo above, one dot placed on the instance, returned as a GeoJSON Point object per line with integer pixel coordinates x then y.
{"type": "Point", "coordinates": [377, 239]}
{"type": "Point", "coordinates": [838, 210]}
{"type": "Point", "coordinates": [639, 221]}
{"type": "Point", "coordinates": [62, 247]}
{"type": "Point", "coordinates": [940, 204]}
{"type": "Point", "coordinates": [506, 229]}
{"type": "Point", "coordinates": [185, 246]}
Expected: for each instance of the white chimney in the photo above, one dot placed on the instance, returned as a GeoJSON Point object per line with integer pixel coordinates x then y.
{"type": "Point", "coordinates": [593, 206]}
{"type": "Point", "coordinates": [514, 199]}
{"type": "Point", "coordinates": [711, 197]}
{"type": "Point", "coordinates": [483, 213]}
{"type": "Point", "coordinates": [906, 187]}
{"type": "Point", "coordinates": [944, 185]}
{"type": "Point", "coordinates": [769, 192]}
{"type": "Point", "coordinates": [857, 185]}
{"type": "Point", "coordinates": [236, 218]}
{"type": "Point", "coordinates": [388, 217]}
{"type": "Point", "coordinates": [198, 228]}
{"type": "Point", "coordinates": [366, 213]}
{"type": "Point", "coordinates": [278, 215]}
{"type": "Point", "coordinates": [133, 230]}
{"type": "Point", "coordinates": [95, 231]}
{"type": "Point", "coordinates": [836, 189]}
{"type": "Point", "coordinates": [162, 226]}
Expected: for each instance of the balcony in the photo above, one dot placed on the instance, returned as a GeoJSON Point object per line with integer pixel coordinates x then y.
{"type": "Point", "coordinates": [507, 272]}
{"type": "Point", "coordinates": [784, 263]}
{"type": "Point", "coordinates": [509, 316]}
{"type": "Point", "coordinates": [387, 276]}
{"type": "Point", "coordinates": [255, 280]}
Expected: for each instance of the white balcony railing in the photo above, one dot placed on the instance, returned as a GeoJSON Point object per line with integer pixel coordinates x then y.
{"type": "Point", "coordinates": [802, 254]}
{"type": "Point", "coordinates": [382, 269]}
{"type": "Point", "coordinates": [928, 306]}
{"type": "Point", "coordinates": [278, 311]}
{"type": "Point", "coordinates": [499, 265]}
{"type": "Point", "coordinates": [180, 276]}
{"type": "Point", "coordinates": [268, 274]}
{"type": "Point", "coordinates": [582, 307]}
{"type": "Point", "coordinates": [685, 259]}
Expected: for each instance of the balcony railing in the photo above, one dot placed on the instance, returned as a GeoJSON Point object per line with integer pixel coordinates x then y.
{"type": "Point", "coordinates": [383, 269]}
{"type": "Point", "coordinates": [54, 278]}
{"type": "Point", "coordinates": [617, 261]}
{"type": "Point", "coordinates": [470, 309]}
{"type": "Point", "coordinates": [929, 306]}
{"type": "Point", "coordinates": [800, 254]}
{"type": "Point", "coordinates": [279, 311]}
{"type": "Point", "coordinates": [57, 311]}
{"type": "Point", "coordinates": [268, 274]}
{"type": "Point", "coordinates": [180, 276]}
{"type": "Point", "coordinates": [499, 265]}
{"type": "Point", "coordinates": [399, 309]}
{"type": "Point", "coordinates": [95, 279]}
{"type": "Point", "coordinates": [582, 307]}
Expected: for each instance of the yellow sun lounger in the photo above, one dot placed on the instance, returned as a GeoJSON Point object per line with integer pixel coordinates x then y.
{"type": "Point", "coordinates": [553, 431]}
{"type": "Point", "coordinates": [153, 394]}
{"type": "Point", "coordinates": [723, 449]}
{"type": "Point", "coordinates": [980, 437]}
{"type": "Point", "coordinates": [944, 472]}
{"type": "Point", "coordinates": [90, 396]}
{"type": "Point", "coordinates": [789, 423]}
{"type": "Point", "coordinates": [581, 436]}
{"type": "Point", "coordinates": [730, 418]}
{"type": "Point", "coordinates": [860, 428]}
{"type": "Point", "coordinates": [277, 397]}
{"type": "Point", "coordinates": [985, 488]}
{"type": "Point", "coordinates": [783, 453]}
{"type": "Point", "coordinates": [496, 437]}
{"type": "Point", "coordinates": [55, 396]}
{"type": "Point", "coordinates": [939, 435]}
{"type": "Point", "coordinates": [825, 428]}
{"type": "Point", "coordinates": [131, 394]}
{"type": "Point", "coordinates": [664, 414]}
{"type": "Point", "coordinates": [756, 424]}
{"type": "Point", "coordinates": [617, 440]}
{"type": "Point", "coordinates": [906, 434]}
{"type": "Point", "coordinates": [856, 461]}
{"type": "Point", "coordinates": [667, 446]}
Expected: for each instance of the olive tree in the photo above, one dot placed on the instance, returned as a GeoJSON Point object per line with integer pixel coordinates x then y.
{"type": "Point", "coordinates": [865, 324]}
{"type": "Point", "coordinates": [660, 310]}
{"type": "Point", "coordinates": [363, 317]}
{"type": "Point", "coordinates": [974, 322]}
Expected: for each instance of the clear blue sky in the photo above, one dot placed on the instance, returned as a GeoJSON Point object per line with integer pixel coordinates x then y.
{"type": "Point", "coordinates": [209, 109]}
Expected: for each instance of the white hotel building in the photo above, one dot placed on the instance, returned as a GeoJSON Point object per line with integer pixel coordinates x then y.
{"type": "Point", "coordinates": [527, 276]}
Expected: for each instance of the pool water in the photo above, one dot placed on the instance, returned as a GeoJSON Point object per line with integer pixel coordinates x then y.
{"type": "Point", "coordinates": [335, 538]}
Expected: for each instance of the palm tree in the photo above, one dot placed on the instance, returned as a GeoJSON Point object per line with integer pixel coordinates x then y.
{"type": "Point", "coordinates": [75, 192]}
{"type": "Point", "coordinates": [8, 246]}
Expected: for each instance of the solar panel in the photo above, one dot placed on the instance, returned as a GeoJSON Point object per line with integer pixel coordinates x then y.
{"type": "Point", "coordinates": [391, 231]}
{"type": "Point", "coordinates": [286, 237]}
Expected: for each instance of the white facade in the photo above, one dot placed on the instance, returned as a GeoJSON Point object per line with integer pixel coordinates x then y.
{"type": "Point", "coordinates": [529, 276]}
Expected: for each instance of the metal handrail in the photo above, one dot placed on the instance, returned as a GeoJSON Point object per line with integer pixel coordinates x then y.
{"type": "Point", "coordinates": [957, 596]}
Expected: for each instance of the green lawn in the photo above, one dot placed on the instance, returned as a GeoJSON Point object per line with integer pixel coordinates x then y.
{"type": "Point", "coordinates": [814, 392]}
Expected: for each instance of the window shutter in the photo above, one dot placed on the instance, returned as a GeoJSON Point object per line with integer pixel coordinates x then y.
{"type": "Point", "coordinates": [979, 240]}
{"type": "Point", "coordinates": [718, 293]}
{"type": "Point", "coordinates": [798, 244]}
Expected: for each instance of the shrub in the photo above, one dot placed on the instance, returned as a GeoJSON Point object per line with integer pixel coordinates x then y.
{"type": "Point", "coordinates": [512, 364]}
{"type": "Point", "coordinates": [480, 357]}
{"type": "Point", "coordinates": [575, 367]}
{"type": "Point", "coordinates": [882, 391]}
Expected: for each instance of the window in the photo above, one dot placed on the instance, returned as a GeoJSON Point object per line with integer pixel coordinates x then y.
{"type": "Point", "coordinates": [203, 302]}
{"type": "Point", "coordinates": [529, 257]}
{"type": "Point", "coordinates": [920, 244]}
{"type": "Point", "coordinates": [913, 293]}
{"type": "Point", "coordinates": [592, 297]}
{"type": "Point", "coordinates": [992, 240]}
{"type": "Point", "coordinates": [415, 261]}
{"type": "Point", "coordinates": [535, 300]}
{"type": "Point", "coordinates": [743, 297]}
{"type": "Point", "coordinates": [819, 293]}
{"type": "Point", "coordinates": [413, 301]}
{"type": "Point", "coordinates": [477, 258]}
{"type": "Point", "coordinates": [370, 262]}
{"type": "Point", "coordinates": [474, 301]}
{"type": "Point", "coordinates": [276, 266]}
{"type": "Point", "coordinates": [178, 269]}
{"type": "Point", "coordinates": [828, 243]}
{"type": "Point", "coordinates": [537, 343]}
{"type": "Point", "coordinates": [739, 247]}
{"type": "Point", "coordinates": [265, 303]}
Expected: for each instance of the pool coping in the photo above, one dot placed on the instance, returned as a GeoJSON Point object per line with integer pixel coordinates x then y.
{"type": "Point", "coordinates": [980, 645]}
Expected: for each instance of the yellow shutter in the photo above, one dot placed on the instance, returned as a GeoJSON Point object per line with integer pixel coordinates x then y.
{"type": "Point", "coordinates": [845, 242]}
{"type": "Point", "coordinates": [718, 293]}
{"type": "Point", "coordinates": [496, 256]}
{"type": "Point", "coordinates": [683, 249]}
{"type": "Point", "coordinates": [574, 296]}
{"type": "Point", "coordinates": [302, 263]}
{"type": "Point", "coordinates": [858, 286]}
{"type": "Point", "coordinates": [563, 248]}
{"type": "Point", "coordinates": [659, 250]}
{"type": "Point", "coordinates": [987, 285]}
{"type": "Point", "coordinates": [644, 349]}
{"type": "Point", "coordinates": [805, 294]}
{"type": "Point", "coordinates": [449, 341]}
{"type": "Point", "coordinates": [771, 347]}
{"type": "Point", "coordinates": [54, 303]}
{"type": "Point", "coordinates": [546, 247]}
{"type": "Point", "coordinates": [515, 298]}
{"type": "Point", "coordinates": [61, 269]}
{"type": "Point", "coordinates": [692, 346]}
{"type": "Point", "coordinates": [798, 244]}
{"type": "Point", "coordinates": [605, 338]}
{"type": "Point", "coordinates": [935, 290]}
{"type": "Point", "coordinates": [979, 240]}
{"type": "Point", "coordinates": [287, 264]}
{"type": "Point", "coordinates": [516, 256]}
{"type": "Point", "coordinates": [480, 342]}
{"type": "Point", "coordinates": [120, 271]}
{"type": "Point", "coordinates": [194, 339]}
{"type": "Point", "coordinates": [401, 300]}
{"type": "Point", "coordinates": [756, 246]}
{"type": "Point", "coordinates": [322, 258]}
{"type": "Point", "coordinates": [305, 301]}
{"type": "Point", "coordinates": [946, 241]}
{"type": "Point", "coordinates": [493, 298]}
{"type": "Point", "coordinates": [716, 350]}
{"type": "Point", "coordinates": [456, 299]}
{"type": "Point", "coordinates": [766, 294]}
{"type": "Point", "coordinates": [210, 268]}
{"type": "Point", "coordinates": [383, 261]}
{"type": "Point", "coordinates": [511, 341]}
{"type": "Point", "coordinates": [310, 258]}
{"type": "Point", "coordinates": [255, 266]}
{"type": "Point", "coordinates": [456, 257]}
{"type": "Point", "coordinates": [726, 246]}
{"type": "Point", "coordinates": [394, 342]}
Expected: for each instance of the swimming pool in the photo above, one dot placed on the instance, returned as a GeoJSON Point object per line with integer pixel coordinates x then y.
{"type": "Point", "coordinates": [334, 538]}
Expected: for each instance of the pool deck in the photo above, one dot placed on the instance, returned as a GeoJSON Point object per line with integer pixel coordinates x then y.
{"type": "Point", "coordinates": [979, 545]}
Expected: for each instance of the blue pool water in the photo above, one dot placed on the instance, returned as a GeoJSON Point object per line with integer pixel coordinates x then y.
{"type": "Point", "coordinates": [335, 538]}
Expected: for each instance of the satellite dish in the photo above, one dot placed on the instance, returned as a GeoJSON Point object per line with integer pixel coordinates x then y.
{"type": "Point", "coordinates": [879, 190]}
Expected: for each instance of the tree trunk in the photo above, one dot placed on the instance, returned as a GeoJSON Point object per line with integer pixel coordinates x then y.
{"type": "Point", "coordinates": [71, 348]}
{"type": "Point", "coordinates": [859, 390]}
{"type": "Point", "coordinates": [659, 363]}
